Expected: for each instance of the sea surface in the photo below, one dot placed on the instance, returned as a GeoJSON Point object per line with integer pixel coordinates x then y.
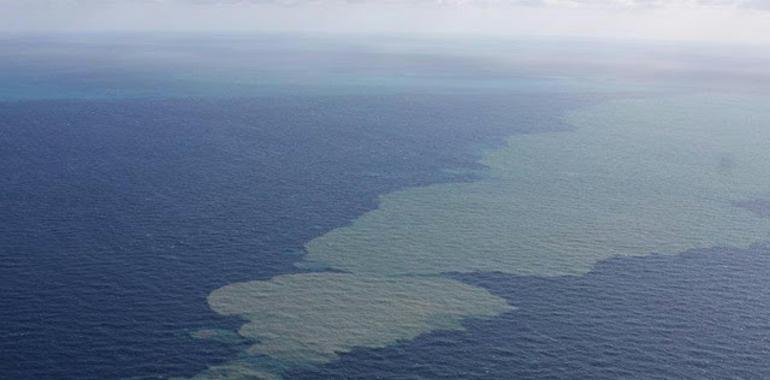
{"type": "Point", "coordinates": [186, 206]}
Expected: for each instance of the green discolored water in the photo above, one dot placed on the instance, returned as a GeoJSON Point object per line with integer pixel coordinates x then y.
{"type": "Point", "coordinates": [311, 317]}
{"type": "Point", "coordinates": [635, 177]}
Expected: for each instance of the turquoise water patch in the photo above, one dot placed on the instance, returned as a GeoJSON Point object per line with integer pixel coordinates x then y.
{"type": "Point", "coordinates": [635, 177]}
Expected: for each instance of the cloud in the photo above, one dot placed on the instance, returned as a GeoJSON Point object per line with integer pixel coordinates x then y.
{"type": "Point", "coordinates": [613, 4]}
{"type": "Point", "coordinates": [754, 4]}
{"type": "Point", "coordinates": [569, 4]}
{"type": "Point", "coordinates": [711, 20]}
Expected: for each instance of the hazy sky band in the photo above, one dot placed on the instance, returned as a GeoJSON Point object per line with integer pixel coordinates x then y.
{"type": "Point", "coordinates": [756, 4]}
{"type": "Point", "coordinates": [711, 20]}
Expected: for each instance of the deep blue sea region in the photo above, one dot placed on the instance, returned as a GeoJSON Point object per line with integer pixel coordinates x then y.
{"type": "Point", "coordinates": [119, 217]}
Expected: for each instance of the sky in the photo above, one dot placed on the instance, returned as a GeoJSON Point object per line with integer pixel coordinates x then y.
{"type": "Point", "coordinates": [737, 21]}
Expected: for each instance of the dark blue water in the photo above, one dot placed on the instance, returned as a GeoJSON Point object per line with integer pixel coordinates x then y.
{"type": "Point", "coordinates": [118, 218]}
{"type": "Point", "coordinates": [702, 314]}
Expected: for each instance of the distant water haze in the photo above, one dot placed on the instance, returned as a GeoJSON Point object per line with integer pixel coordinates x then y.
{"type": "Point", "coordinates": [83, 65]}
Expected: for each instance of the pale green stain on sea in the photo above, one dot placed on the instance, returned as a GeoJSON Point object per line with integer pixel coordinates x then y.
{"type": "Point", "coordinates": [635, 177]}
{"type": "Point", "coordinates": [337, 312]}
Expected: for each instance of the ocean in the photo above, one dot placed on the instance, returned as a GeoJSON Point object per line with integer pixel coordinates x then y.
{"type": "Point", "coordinates": [276, 206]}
